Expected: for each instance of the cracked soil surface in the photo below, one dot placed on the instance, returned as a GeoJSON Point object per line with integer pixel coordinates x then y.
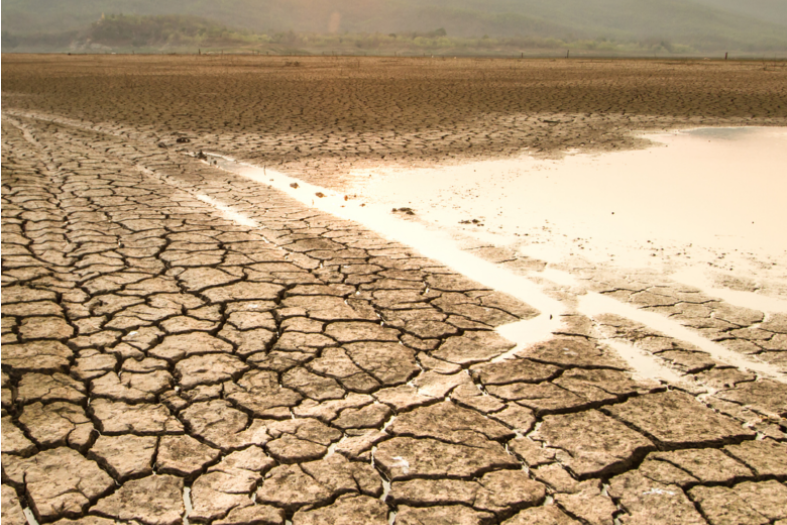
{"type": "Point", "coordinates": [164, 364]}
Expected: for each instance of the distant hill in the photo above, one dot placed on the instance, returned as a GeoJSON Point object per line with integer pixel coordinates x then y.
{"type": "Point", "coordinates": [772, 11]}
{"type": "Point", "coordinates": [702, 24]}
{"type": "Point", "coordinates": [150, 31]}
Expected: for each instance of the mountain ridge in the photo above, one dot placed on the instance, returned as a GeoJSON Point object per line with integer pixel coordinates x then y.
{"type": "Point", "coordinates": [702, 24]}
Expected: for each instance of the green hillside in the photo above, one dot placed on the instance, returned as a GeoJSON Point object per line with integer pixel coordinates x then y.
{"type": "Point", "coordinates": [700, 24]}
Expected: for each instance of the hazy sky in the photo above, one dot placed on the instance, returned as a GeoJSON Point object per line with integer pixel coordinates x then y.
{"type": "Point", "coordinates": [720, 23]}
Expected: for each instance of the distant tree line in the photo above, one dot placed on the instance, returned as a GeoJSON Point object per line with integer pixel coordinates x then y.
{"type": "Point", "coordinates": [146, 31]}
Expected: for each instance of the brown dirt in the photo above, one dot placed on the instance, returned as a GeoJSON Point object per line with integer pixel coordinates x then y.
{"type": "Point", "coordinates": [146, 335]}
{"type": "Point", "coordinates": [319, 117]}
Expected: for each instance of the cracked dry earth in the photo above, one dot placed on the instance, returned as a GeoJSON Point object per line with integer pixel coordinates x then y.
{"type": "Point", "coordinates": [163, 364]}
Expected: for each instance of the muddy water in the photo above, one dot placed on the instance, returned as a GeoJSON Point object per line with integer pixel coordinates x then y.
{"type": "Point", "coordinates": [704, 196]}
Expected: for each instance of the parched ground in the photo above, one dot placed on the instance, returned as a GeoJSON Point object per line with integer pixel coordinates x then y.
{"type": "Point", "coordinates": [162, 364]}
{"type": "Point", "coordinates": [316, 117]}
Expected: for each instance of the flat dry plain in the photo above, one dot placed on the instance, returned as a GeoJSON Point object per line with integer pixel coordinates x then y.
{"type": "Point", "coordinates": [316, 116]}
{"type": "Point", "coordinates": [164, 364]}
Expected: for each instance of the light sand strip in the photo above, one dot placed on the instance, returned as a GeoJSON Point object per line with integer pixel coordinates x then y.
{"type": "Point", "coordinates": [593, 304]}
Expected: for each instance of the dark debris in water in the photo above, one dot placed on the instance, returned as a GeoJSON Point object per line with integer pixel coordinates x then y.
{"type": "Point", "coordinates": [408, 211]}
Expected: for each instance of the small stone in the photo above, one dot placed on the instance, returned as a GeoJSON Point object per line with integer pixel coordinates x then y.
{"type": "Point", "coordinates": [448, 515]}
{"type": "Point", "coordinates": [473, 347]}
{"type": "Point", "coordinates": [146, 337]}
{"type": "Point", "coordinates": [125, 456]}
{"type": "Point", "coordinates": [675, 418]}
{"type": "Point", "coordinates": [154, 500]}
{"type": "Point", "coordinates": [597, 444]}
{"type": "Point", "coordinates": [183, 455]}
